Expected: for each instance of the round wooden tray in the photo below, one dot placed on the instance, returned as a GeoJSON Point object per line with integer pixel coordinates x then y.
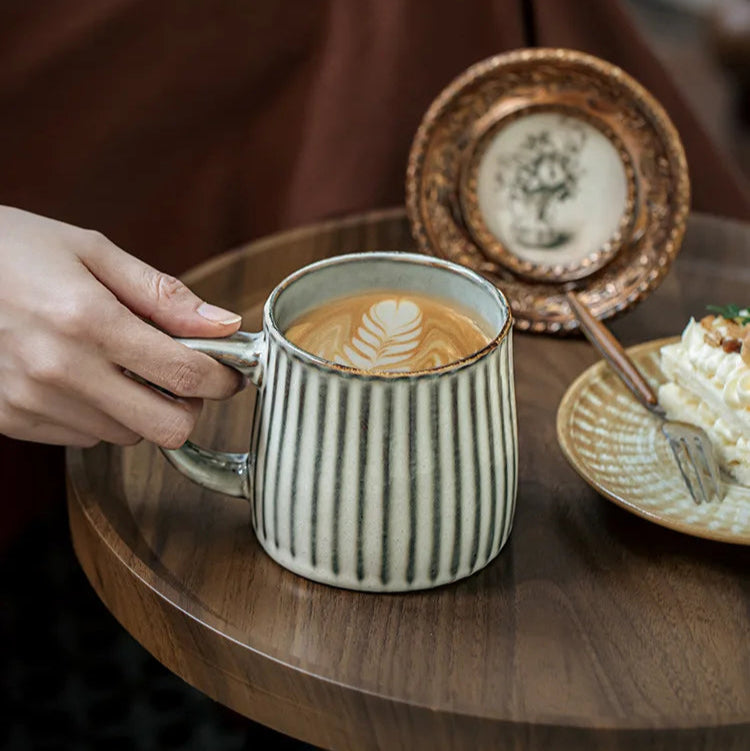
{"type": "Point", "coordinates": [593, 629]}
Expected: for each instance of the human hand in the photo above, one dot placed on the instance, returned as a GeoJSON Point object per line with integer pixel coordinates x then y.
{"type": "Point", "coordinates": [71, 310]}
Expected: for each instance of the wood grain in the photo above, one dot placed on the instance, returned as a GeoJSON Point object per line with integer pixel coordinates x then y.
{"type": "Point", "coordinates": [593, 630]}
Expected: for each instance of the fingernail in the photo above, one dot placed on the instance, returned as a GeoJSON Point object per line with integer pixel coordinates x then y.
{"type": "Point", "coordinates": [217, 314]}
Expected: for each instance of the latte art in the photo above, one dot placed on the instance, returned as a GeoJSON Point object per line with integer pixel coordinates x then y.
{"type": "Point", "coordinates": [388, 331]}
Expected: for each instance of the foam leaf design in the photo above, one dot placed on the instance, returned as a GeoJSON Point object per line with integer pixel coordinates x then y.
{"type": "Point", "coordinates": [388, 335]}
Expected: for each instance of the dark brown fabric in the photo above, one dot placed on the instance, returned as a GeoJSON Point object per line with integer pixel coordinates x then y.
{"type": "Point", "coordinates": [180, 128]}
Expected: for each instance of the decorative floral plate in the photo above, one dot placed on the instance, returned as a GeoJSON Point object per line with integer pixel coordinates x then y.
{"type": "Point", "coordinates": [546, 169]}
{"type": "Point", "coordinates": [618, 448]}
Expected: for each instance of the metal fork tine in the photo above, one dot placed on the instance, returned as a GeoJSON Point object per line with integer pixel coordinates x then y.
{"type": "Point", "coordinates": [713, 470]}
{"type": "Point", "coordinates": [676, 447]}
{"type": "Point", "coordinates": [697, 461]}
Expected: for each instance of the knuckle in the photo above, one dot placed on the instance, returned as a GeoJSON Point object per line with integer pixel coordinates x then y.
{"type": "Point", "coordinates": [48, 367]}
{"type": "Point", "coordinates": [172, 432]}
{"type": "Point", "coordinates": [77, 316]}
{"type": "Point", "coordinates": [18, 423]}
{"type": "Point", "coordinates": [96, 239]}
{"type": "Point", "coordinates": [11, 419]}
{"type": "Point", "coordinates": [165, 287]}
{"type": "Point", "coordinates": [185, 378]}
{"type": "Point", "coordinates": [17, 396]}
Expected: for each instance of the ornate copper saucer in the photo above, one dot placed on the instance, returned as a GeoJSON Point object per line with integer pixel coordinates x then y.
{"type": "Point", "coordinates": [547, 171]}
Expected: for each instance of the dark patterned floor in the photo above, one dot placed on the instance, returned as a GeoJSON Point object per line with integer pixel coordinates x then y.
{"type": "Point", "coordinates": [71, 678]}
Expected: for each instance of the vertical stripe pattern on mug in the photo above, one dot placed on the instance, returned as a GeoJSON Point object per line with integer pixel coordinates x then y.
{"type": "Point", "coordinates": [385, 483]}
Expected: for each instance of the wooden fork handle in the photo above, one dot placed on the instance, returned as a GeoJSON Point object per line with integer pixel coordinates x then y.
{"type": "Point", "coordinates": [611, 350]}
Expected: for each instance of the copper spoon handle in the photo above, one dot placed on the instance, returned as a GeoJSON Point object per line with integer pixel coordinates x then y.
{"type": "Point", "coordinates": [611, 350]}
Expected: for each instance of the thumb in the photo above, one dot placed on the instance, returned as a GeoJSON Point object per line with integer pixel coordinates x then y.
{"type": "Point", "coordinates": [158, 297]}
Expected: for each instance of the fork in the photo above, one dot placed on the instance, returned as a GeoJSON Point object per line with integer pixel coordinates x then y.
{"type": "Point", "coordinates": [690, 445]}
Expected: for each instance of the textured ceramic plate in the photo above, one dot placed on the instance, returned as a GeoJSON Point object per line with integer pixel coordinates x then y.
{"type": "Point", "coordinates": [618, 448]}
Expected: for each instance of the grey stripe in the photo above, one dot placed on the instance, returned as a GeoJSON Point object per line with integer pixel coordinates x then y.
{"type": "Point", "coordinates": [295, 459]}
{"type": "Point", "coordinates": [504, 455]}
{"type": "Point", "coordinates": [267, 446]}
{"type": "Point", "coordinates": [412, 485]}
{"type": "Point", "coordinates": [488, 403]}
{"type": "Point", "coordinates": [255, 447]}
{"type": "Point", "coordinates": [385, 573]}
{"type": "Point", "coordinates": [364, 449]}
{"type": "Point", "coordinates": [436, 479]}
{"type": "Point", "coordinates": [456, 558]}
{"type": "Point", "coordinates": [338, 462]}
{"type": "Point", "coordinates": [322, 395]}
{"type": "Point", "coordinates": [477, 479]}
{"type": "Point", "coordinates": [513, 441]}
{"type": "Point", "coordinates": [280, 450]}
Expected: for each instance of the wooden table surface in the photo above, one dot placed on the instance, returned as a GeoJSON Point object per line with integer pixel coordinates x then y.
{"type": "Point", "coordinates": [593, 629]}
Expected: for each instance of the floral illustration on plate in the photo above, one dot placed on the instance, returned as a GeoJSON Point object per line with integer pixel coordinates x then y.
{"type": "Point", "coordinates": [537, 178]}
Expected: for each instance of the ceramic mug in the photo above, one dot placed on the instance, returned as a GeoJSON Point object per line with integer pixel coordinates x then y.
{"type": "Point", "coordinates": [379, 482]}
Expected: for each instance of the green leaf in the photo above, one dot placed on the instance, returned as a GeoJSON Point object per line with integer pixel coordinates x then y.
{"type": "Point", "coordinates": [731, 311]}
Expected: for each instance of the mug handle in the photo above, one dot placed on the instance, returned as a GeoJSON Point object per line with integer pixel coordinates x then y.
{"type": "Point", "coordinates": [220, 470]}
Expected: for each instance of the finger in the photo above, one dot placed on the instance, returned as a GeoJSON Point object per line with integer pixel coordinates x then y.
{"type": "Point", "coordinates": [57, 435]}
{"type": "Point", "coordinates": [60, 436]}
{"type": "Point", "coordinates": [158, 297]}
{"type": "Point", "coordinates": [39, 431]}
{"type": "Point", "coordinates": [156, 417]}
{"type": "Point", "coordinates": [79, 417]}
{"type": "Point", "coordinates": [157, 358]}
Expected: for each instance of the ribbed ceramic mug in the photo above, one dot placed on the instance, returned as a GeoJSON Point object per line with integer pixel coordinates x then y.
{"type": "Point", "coordinates": [379, 482]}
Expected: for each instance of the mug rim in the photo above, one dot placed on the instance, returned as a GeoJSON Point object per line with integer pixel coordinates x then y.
{"type": "Point", "coordinates": [417, 259]}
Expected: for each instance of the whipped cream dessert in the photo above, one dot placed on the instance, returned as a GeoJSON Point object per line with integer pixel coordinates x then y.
{"type": "Point", "coordinates": [709, 385]}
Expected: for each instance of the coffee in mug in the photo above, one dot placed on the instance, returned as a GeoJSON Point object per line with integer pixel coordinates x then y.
{"type": "Point", "coordinates": [390, 331]}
